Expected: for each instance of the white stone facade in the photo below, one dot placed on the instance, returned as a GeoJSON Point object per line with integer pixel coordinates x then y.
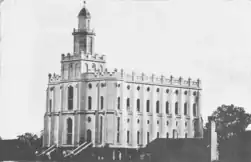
{"type": "Point", "coordinates": [88, 103]}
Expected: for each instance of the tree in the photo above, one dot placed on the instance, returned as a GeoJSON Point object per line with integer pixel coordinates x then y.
{"type": "Point", "coordinates": [230, 121]}
{"type": "Point", "coordinates": [28, 139]}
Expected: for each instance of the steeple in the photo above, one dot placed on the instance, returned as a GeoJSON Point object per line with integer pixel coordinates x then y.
{"type": "Point", "coordinates": [84, 35]}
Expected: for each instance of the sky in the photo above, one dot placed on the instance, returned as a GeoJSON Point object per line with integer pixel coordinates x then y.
{"type": "Point", "coordinates": [206, 39]}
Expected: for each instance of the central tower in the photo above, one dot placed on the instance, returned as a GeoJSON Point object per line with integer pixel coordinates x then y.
{"type": "Point", "coordinates": [84, 35]}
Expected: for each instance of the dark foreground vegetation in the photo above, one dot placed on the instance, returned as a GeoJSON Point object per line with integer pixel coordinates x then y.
{"type": "Point", "coordinates": [234, 144]}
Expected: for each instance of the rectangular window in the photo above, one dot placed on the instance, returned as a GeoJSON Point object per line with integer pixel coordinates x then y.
{"type": "Point", "coordinates": [118, 103]}
{"type": "Point", "coordinates": [138, 136]}
{"type": "Point", "coordinates": [117, 137]}
{"type": "Point", "coordinates": [148, 137]}
{"type": "Point", "coordinates": [128, 136]}
{"type": "Point", "coordinates": [138, 105]}
{"type": "Point", "coordinates": [118, 124]}
{"type": "Point", "coordinates": [148, 106]}
{"type": "Point", "coordinates": [102, 102]}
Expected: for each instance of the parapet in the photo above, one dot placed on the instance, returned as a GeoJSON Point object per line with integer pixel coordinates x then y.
{"type": "Point", "coordinates": [54, 78]}
{"type": "Point", "coordinates": [150, 79]}
{"type": "Point", "coordinates": [84, 56]}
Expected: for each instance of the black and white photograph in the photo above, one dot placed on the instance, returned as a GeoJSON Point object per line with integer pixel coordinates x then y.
{"type": "Point", "coordinates": [125, 80]}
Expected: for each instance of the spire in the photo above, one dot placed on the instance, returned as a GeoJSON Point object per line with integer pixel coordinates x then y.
{"type": "Point", "coordinates": [84, 11]}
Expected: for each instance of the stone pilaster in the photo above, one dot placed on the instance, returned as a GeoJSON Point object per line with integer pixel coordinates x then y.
{"type": "Point", "coordinates": [172, 108]}
{"type": "Point", "coordinates": [153, 132]}
{"type": "Point", "coordinates": [163, 100]}
{"type": "Point", "coordinates": [134, 116]}
{"type": "Point", "coordinates": [124, 114]}
{"type": "Point", "coordinates": [182, 116]}
{"type": "Point", "coordinates": [190, 112]}
{"type": "Point", "coordinates": [144, 116]}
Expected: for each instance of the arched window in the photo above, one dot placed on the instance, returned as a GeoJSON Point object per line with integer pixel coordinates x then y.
{"type": "Point", "coordinates": [69, 131]}
{"type": "Point", "coordinates": [138, 105]}
{"type": "Point", "coordinates": [128, 103]}
{"type": "Point", "coordinates": [89, 103]}
{"type": "Point", "coordinates": [70, 98]}
{"type": "Point", "coordinates": [174, 133]}
{"type": "Point", "coordinates": [50, 105]}
{"type": "Point", "coordinates": [138, 134]}
{"type": "Point", "coordinates": [167, 107]}
{"type": "Point", "coordinates": [185, 108]}
{"type": "Point", "coordinates": [89, 135]}
{"type": "Point", "coordinates": [118, 102]}
{"type": "Point", "coordinates": [148, 137]}
{"type": "Point", "coordinates": [148, 106]}
{"type": "Point", "coordinates": [128, 136]}
{"type": "Point", "coordinates": [194, 110]}
{"type": "Point", "coordinates": [176, 108]}
{"type": "Point", "coordinates": [101, 126]}
{"type": "Point", "coordinates": [157, 107]}
{"type": "Point", "coordinates": [167, 135]}
{"type": "Point", "coordinates": [102, 102]}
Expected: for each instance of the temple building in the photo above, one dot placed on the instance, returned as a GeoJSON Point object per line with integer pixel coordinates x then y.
{"type": "Point", "coordinates": [88, 103]}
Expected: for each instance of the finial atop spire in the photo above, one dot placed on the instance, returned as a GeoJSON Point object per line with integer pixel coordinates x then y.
{"type": "Point", "coordinates": [83, 3]}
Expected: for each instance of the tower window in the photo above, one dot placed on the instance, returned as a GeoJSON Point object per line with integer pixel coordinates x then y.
{"type": "Point", "coordinates": [157, 90]}
{"type": "Point", "coordinates": [167, 135]}
{"type": "Point", "coordinates": [185, 108]}
{"type": "Point", "coordinates": [101, 127]}
{"type": "Point", "coordinates": [167, 107]}
{"type": "Point", "coordinates": [138, 88]}
{"type": "Point", "coordinates": [138, 105]}
{"type": "Point", "coordinates": [50, 105]}
{"type": "Point", "coordinates": [128, 136]}
{"type": "Point", "coordinates": [157, 107]}
{"type": "Point", "coordinates": [90, 85]}
{"type": "Point", "coordinates": [102, 102]}
{"type": "Point", "coordinates": [70, 98]}
{"type": "Point", "coordinates": [118, 102]}
{"type": "Point", "coordinates": [157, 134]}
{"type": "Point", "coordinates": [176, 108]}
{"type": "Point", "coordinates": [89, 103]}
{"type": "Point", "coordinates": [194, 110]}
{"type": "Point", "coordinates": [148, 106]}
{"type": "Point", "coordinates": [128, 87]}
{"type": "Point", "coordinates": [89, 119]}
{"type": "Point", "coordinates": [167, 90]}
